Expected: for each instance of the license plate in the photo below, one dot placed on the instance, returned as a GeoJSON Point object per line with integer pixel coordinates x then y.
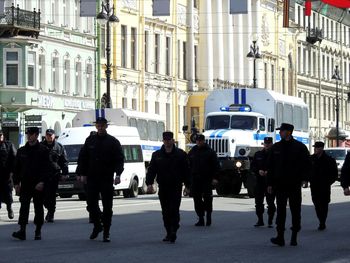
{"type": "Point", "coordinates": [65, 186]}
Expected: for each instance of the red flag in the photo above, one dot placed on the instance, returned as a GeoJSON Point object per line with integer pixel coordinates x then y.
{"type": "Point", "coordinates": [307, 7]}
{"type": "Point", "coordinates": [336, 3]}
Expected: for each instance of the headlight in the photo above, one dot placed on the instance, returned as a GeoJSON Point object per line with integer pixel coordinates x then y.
{"type": "Point", "coordinates": [238, 164]}
{"type": "Point", "coordinates": [242, 151]}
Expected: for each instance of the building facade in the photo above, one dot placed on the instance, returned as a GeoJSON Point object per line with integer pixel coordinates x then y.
{"type": "Point", "coordinates": [48, 77]}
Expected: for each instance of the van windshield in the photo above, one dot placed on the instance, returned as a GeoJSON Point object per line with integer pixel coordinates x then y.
{"type": "Point", "coordinates": [237, 122]}
{"type": "Point", "coordinates": [338, 154]}
{"type": "Point", "coordinates": [73, 152]}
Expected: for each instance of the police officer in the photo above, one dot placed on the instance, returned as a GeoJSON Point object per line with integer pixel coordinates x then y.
{"type": "Point", "coordinates": [100, 158]}
{"type": "Point", "coordinates": [288, 166]}
{"type": "Point", "coordinates": [7, 161]}
{"type": "Point", "coordinates": [170, 166]}
{"type": "Point", "coordinates": [324, 172]}
{"type": "Point", "coordinates": [345, 175]}
{"type": "Point", "coordinates": [204, 166]}
{"type": "Point", "coordinates": [29, 178]}
{"type": "Point", "coordinates": [59, 167]}
{"type": "Point", "coordinates": [259, 168]}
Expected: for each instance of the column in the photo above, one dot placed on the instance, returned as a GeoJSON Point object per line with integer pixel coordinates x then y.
{"type": "Point", "coordinates": [190, 46]}
{"type": "Point", "coordinates": [228, 42]}
{"type": "Point", "coordinates": [218, 45]}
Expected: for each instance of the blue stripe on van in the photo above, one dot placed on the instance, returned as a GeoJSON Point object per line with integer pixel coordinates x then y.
{"type": "Point", "coordinates": [259, 136]}
{"type": "Point", "coordinates": [103, 113]}
{"type": "Point", "coordinates": [244, 96]}
{"type": "Point", "coordinates": [150, 147]}
{"type": "Point", "coordinates": [236, 94]}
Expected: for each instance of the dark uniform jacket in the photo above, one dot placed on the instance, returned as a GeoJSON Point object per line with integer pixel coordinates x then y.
{"type": "Point", "coordinates": [58, 159]}
{"type": "Point", "coordinates": [259, 162]}
{"type": "Point", "coordinates": [324, 171]}
{"type": "Point", "coordinates": [101, 157]}
{"type": "Point", "coordinates": [32, 165]}
{"type": "Point", "coordinates": [204, 165]}
{"type": "Point", "coordinates": [171, 169]}
{"type": "Point", "coordinates": [345, 172]}
{"type": "Point", "coordinates": [7, 160]}
{"type": "Point", "coordinates": [288, 164]}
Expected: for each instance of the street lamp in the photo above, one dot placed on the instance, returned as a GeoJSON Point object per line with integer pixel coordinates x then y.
{"type": "Point", "coordinates": [337, 78]}
{"type": "Point", "coordinates": [254, 54]}
{"type": "Point", "coordinates": [105, 17]}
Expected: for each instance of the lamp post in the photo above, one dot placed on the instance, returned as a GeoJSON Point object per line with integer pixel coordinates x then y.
{"type": "Point", "coordinates": [107, 17]}
{"type": "Point", "coordinates": [337, 78]}
{"type": "Point", "coordinates": [254, 54]}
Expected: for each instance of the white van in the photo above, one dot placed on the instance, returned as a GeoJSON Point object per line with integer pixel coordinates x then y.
{"type": "Point", "coordinates": [133, 176]}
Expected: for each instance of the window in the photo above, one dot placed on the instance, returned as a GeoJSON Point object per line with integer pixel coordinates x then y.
{"type": "Point", "coordinates": [194, 117]}
{"type": "Point", "coordinates": [55, 75]}
{"type": "Point", "coordinates": [156, 107]}
{"type": "Point", "coordinates": [265, 74]}
{"type": "Point", "coordinates": [279, 113]}
{"type": "Point", "coordinates": [77, 14]}
{"type": "Point", "coordinates": [297, 118]}
{"type": "Point", "coordinates": [168, 116]}
{"type": "Point", "coordinates": [42, 72]}
{"type": "Point", "coordinates": [142, 128]}
{"type": "Point", "coordinates": [305, 119]}
{"type": "Point", "coordinates": [124, 103]}
{"type": "Point", "coordinates": [329, 109]}
{"type": "Point", "coordinates": [167, 56]}
{"type": "Point", "coordinates": [133, 48]}
{"type": "Point", "coordinates": [273, 77]}
{"type": "Point", "coordinates": [178, 58]}
{"type": "Point", "coordinates": [332, 30]}
{"type": "Point", "coordinates": [31, 69]}
{"type": "Point", "coordinates": [77, 78]}
{"type": "Point", "coordinates": [152, 131]}
{"type": "Point", "coordinates": [123, 46]}
{"type": "Point", "coordinates": [283, 81]}
{"type": "Point", "coordinates": [66, 76]}
{"type": "Point", "coordinates": [134, 104]}
{"type": "Point", "coordinates": [287, 113]}
{"type": "Point", "coordinates": [156, 52]}
{"type": "Point", "coordinates": [262, 126]}
{"type": "Point", "coordinates": [196, 62]}
{"type": "Point", "coordinates": [89, 80]}
{"type": "Point", "coordinates": [146, 50]}
{"type": "Point", "coordinates": [12, 67]}
{"type": "Point", "coordinates": [132, 153]}
{"type": "Point", "coordinates": [132, 122]}
{"type": "Point", "coordinates": [184, 60]}
{"type": "Point", "coordinates": [146, 105]}
{"type": "Point", "coordinates": [299, 59]}
{"type": "Point", "coordinates": [324, 107]}
{"type": "Point", "coordinates": [161, 129]}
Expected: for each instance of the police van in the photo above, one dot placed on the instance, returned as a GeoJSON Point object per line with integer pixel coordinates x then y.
{"type": "Point", "coordinates": [134, 173]}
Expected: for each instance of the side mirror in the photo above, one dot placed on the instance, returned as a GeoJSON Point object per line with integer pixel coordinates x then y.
{"type": "Point", "coordinates": [271, 125]}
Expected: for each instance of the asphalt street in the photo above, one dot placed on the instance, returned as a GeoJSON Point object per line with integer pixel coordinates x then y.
{"type": "Point", "coordinates": [137, 232]}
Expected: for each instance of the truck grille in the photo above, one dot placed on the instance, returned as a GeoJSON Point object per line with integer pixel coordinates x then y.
{"type": "Point", "coordinates": [220, 146]}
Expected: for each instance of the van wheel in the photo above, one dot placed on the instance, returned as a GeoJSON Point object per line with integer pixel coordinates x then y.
{"type": "Point", "coordinates": [133, 191]}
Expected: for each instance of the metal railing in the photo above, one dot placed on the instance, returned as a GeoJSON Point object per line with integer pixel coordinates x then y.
{"type": "Point", "coordinates": [20, 18]}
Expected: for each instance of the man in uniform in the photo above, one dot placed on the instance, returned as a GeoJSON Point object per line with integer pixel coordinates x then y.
{"type": "Point", "coordinates": [7, 161]}
{"type": "Point", "coordinates": [259, 168]}
{"type": "Point", "coordinates": [29, 178]}
{"type": "Point", "coordinates": [170, 166]}
{"type": "Point", "coordinates": [288, 166]}
{"type": "Point", "coordinates": [99, 159]}
{"type": "Point", "coordinates": [324, 172]}
{"type": "Point", "coordinates": [59, 167]}
{"type": "Point", "coordinates": [345, 175]}
{"type": "Point", "coordinates": [204, 166]}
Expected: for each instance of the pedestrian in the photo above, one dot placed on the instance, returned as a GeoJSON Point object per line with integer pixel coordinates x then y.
{"type": "Point", "coordinates": [259, 168]}
{"type": "Point", "coordinates": [58, 171]}
{"type": "Point", "coordinates": [345, 175]}
{"type": "Point", "coordinates": [29, 178]}
{"type": "Point", "coordinates": [324, 172]}
{"type": "Point", "coordinates": [7, 162]}
{"type": "Point", "coordinates": [170, 166]}
{"type": "Point", "coordinates": [204, 166]}
{"type": "Point", "coordinates": [99, 159]}
{"type": "Point", "coordinates": [287, 168]}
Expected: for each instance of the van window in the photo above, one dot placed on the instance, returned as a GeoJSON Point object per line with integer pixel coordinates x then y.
{"type": "Point", "coordinates": [73, 152]}
{"type": "Point", "coordinates": [305, 119]}
{"type": "Point", "coordinates": [132, 122]}
{"type": "Point", "coordinates": [288, 113]}
{"type": "Point", "coordinates": [132, 153]}
{"type": "Point", "coordinates": [152, 131]}
{"type": "Point", "coordinates": [297, 118]}
{"type": "Point", "coordinates": [142, 128]}
{"type": "Point", "coordinates": [262, 126]}
{"type": "Point", "coordinates": [161, 129]}
{"type": "Point", "coordinates": [279, 116]}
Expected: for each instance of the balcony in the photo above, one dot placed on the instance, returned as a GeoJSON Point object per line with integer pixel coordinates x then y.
{"type": "Point", "coordinates": [18, 22]}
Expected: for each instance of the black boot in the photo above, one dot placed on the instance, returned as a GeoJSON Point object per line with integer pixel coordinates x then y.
{"type": "Point", "coordinates": [322, 226]}
{"type": "Point", "coordinates": [293, 240]}
{"type": "Point", "coordinates": [270, 221]}
{"type": "Point", "coordinates": [49, 218]}
{"type": "Point", "coordinates": [260, 221]}
{"type": "Point", "coordinates": [279, 240]}
{"type": "Point", "coordinates": [97, 229]}
{"type": "Point", "coordinates": [37, 235]}
{"type": "Point", "coordinates": [106, 237]}
{"type": "Point", "coordinates": [172, 237]}
{"type": "Point", "coordinates": [200, 221]}
{"type": "Point", "coordinates": [10, 212]}
{"type": "Point", "coordinates": [21, 233]}
{"type": "Point", "coordinates": [208, 219]}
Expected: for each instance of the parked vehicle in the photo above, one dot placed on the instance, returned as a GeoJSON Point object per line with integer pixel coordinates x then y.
{"type": "Point", "coordinates": [339, 154]}
{"type": "Point", "coordinates": [133, 176]}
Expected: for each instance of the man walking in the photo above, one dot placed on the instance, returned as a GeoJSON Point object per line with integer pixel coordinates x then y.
{"type": "Point", "coordinates": [58, 168]}
{"type": "Point", "coordinates": [323, 174]}
{"type": "Point", "coordinates": [170, 166]}
{"type": "Point", "coordinates": [204, 166]}
{"type": "Point", "coordinates": [99, 159]}
{"type": "Point", "coordinates": [30, 176]}
{"type": "Point", "coordinates": [259, 168]}
{"type": "Point", "coordinates": [7, 161]}
{"type": "Point", "coordinates": [288, 166]}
